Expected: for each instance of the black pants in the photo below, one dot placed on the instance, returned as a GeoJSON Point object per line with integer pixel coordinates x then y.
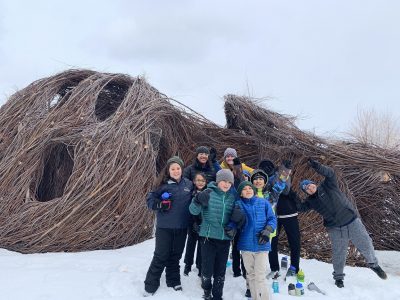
{"type": "Point", "coordinates": [291, 226]}
{"type": "Point", "coordinates": [169, 247]}
{"type": "Point", "coordinates": [193, 238]}
{"type": "Point", "coordinates": [237, 262]}
{"type": "Point", "coordinates": [214, 255]}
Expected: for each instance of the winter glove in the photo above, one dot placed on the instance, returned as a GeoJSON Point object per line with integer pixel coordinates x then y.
{"type": "Point", "coordinates": [165, 203]}
{"type": "Point", "coordinates": [263, 235]}
{"type": "Point", "coordinates": [238, 217]}
{"type": "Point", "coordinates": [213, 155]}
{"type": "Point", "coordinates": [287, 164]}
{"type": "Point", "coordinates": [313, 163]}
{"type": "Point", "coordinates": [202, 198]}
{"type": "Point", "coordinates": [230, 232]}
{"type": "Point", "coordinates": [236, 161]}
{"type": "Point", "coordinates": [196, 227]}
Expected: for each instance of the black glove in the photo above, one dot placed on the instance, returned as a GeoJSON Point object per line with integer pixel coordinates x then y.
{"type": "Point", "coordinates": [213, 155]}
{"type": "Point", "coordinates": [230, 232]}
{"type": "Point", "coordinates": [203, 197]}
{"type": "Point", "coordinates": [263, 235]}
{"type": "Point", "coordinates": [313, 163]}
{"type": "Point", "coordinates": [287, 164]}
{"type": "Point", "coordinates": [196, 227]}
{"type": "Point", "coordinates": [165, 203]}
{"type": "Point", "coordinates": [236, 161]}
{"type": "Point", "coordinates": [238, 217]}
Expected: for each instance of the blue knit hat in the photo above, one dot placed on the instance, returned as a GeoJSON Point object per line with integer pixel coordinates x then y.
{"type": "Point", "coordinates": [304, 183]}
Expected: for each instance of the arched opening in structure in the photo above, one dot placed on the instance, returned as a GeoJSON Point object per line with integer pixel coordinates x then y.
{"type": "Point", "coordinates": [58, 166]}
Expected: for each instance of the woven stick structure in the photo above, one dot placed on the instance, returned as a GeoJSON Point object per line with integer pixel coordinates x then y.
{"type": "Point", "coordinates": [80, 150]}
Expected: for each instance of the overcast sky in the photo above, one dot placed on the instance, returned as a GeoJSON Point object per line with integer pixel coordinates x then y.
{"type": "Point", "coordinates": [319, 59]}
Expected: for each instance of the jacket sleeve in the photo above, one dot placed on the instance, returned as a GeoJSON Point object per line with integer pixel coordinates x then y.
{"type": "Point", "coordinates": [186, 172]}
{"type": "Point", "coordinates": [271, 218]}
{"type": "Point", "coordinates": [302, 206]}
{"type": "Point", "coordinates": [327, 172]}
{"type": "Point", "coordinates": [153, 199]}
{"type": "Point", "coordinates": [216, 166]}
{"type": "Point", "coordinates": [194, 208]}
{"type": "Point", "coordinates": [247, 168]}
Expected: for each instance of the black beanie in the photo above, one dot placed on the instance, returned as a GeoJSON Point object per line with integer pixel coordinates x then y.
{"type": "Point", "coordinates": [202, 149]}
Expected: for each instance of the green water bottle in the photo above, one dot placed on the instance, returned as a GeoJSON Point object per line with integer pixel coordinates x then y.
{"type": "Point", "coordinates": [300, 276]}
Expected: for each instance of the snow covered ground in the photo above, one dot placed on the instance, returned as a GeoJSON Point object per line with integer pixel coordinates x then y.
{"type": "Point", "coordinates": [119, 274]}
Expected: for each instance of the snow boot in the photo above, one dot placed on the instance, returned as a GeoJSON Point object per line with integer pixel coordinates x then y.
{"type": "Point", "coordinates": [187, 270]}
{"type": "Point", "coordinates": [339, 283]}
{"type": "Point", "coordinates": [177, 288]}
{"type": "Point", "coordinates": [207, 295]}
{"type": "Point", "coordinates": [378, 270]}
{"type": "Point", "coordinates": [248, 293]}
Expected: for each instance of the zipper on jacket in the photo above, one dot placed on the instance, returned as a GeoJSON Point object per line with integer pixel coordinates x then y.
{"type": "Point", "coordinates": [223, 215]}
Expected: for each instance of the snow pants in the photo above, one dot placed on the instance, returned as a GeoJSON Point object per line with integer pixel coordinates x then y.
{"type": "Point", "coordinates": [256, 267]}
{"type": "Point", "coordinates": [292, 229]}
{"type": "Point", "coordinates": [340, 237]}
{"type": "Point", "coordinates": [214, 255]}
{"type": "Point", "coordinates": [193, 240]}
{"type": "Point", "coordinates": [237, 262]}
{"type": "Point", "coordinates": [169, 247]}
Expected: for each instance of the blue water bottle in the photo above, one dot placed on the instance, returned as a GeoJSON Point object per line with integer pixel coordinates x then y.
{"type": "Point", "coordinates": [275, 286]}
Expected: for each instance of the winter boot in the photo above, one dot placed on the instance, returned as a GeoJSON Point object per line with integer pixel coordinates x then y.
{"type": "Point", "coordinates": [177, 287]}
{"type": "Point", "coordinates": [187, 270]}
{"type": "Point", "coordinates": [378, 270]}
{"type": "Point", "coordinates": [207, 295]}
{"type": "Point", "coordinates": [339, 283]}
{"type": "Point", "coordinates": [218, 287]}
{"type": "Point", "coordinates": [248, 293]}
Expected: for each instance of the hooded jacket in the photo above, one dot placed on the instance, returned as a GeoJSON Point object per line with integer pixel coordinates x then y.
{"type": "Point", "coordinates": [329, 201]}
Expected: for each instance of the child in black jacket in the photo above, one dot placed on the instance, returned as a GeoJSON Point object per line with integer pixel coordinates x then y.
{"type": "Point", "coordinates": [171, 201]}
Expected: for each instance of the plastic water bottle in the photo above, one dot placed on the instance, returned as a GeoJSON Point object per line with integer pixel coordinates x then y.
{"type": "Point", "coordinates": [291, 289]}
{"type": "Point", "coordinates": [300, 276]}
{"type": "Point", "coordinates": [228, 263]}
{"type": "Point", "coordinates": [284, 263]}
{"type": "Point", "coordinates": [275, 286]}
{"type": "Point", "coordinates": [299, 289]}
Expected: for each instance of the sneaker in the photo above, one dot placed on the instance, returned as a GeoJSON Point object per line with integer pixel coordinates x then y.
{"type": "Point", "coordinates": [187, 270]}
{"type": "Point", "coordinates": [378, 270]}
{"type": "Point", "coordinates": [339, 283]}
{"type": "Point", "coordinates": [248, 293]}
{"type": "Point", "coordinates": [177, 288]}
{"type": "Point", "coordinates": [273, 275]}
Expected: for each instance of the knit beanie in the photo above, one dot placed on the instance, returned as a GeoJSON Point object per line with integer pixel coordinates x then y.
{"type": "Point", "coordinates": [304, 183]}
{"type": "Point", "coordinates": [242, 185]}
{"type": "Point", "coordinates": [230, 151]}
{"type": "Point", "coordinates": [224, 175]}
{"type": "Point", "coordinates": [259, 174]}
{"type": "Point", "coordinates": [175, 159]}
{"type": "Point", "coordinates": [202, 149]}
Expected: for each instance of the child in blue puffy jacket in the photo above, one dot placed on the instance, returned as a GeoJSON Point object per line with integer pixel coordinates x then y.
{"type": "Point", "coordinates": [254, 238]}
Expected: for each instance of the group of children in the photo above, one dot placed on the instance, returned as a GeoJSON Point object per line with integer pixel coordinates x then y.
{"type": "Point", "coordinates": [214, 204]}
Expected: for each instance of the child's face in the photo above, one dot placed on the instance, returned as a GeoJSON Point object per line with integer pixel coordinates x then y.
{"type": "Point", "coordinates": [229, 159]}
{"type": "Point", "coordinates": [311, 189]}
{"type": "Point", "coordinates": [224, 185]}
{"type": "Point", "coordinates": [175, 171]}
{"type": "Point", "coordinates": [259, 183]}
{"type": "Point", "coordinates": [247, 192]}
{"type": "Point", "coordinates": [202, 157]}
{"type": "Point", "coordinates": [200, 182]}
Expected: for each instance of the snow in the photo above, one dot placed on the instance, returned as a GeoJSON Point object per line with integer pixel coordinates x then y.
{"type": "Point", "coordinates": [119, 274]}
